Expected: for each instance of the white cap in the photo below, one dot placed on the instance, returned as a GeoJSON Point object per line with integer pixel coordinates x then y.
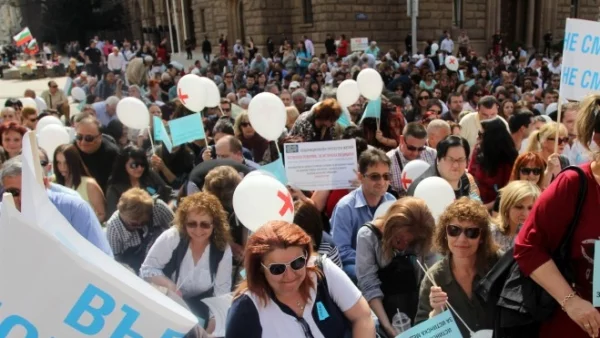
{"type": "Point", "coordinates": [294, 85]}
{"type": "Point", "coordinates": [84, 74]}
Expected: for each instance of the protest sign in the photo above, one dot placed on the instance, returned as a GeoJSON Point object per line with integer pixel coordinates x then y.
{"type": "Point", "coordinates": [187, 129]}
{"type": "Point", "coordinates": [160, 133]}
{"type": "Point", "coordinates": [56, 284]}
{"type": "Point", "coordinates": [359, 44]}
{"type": "Point", "coordinates": [580, 73]}
{"type": "Point", "coordinates": [327, 165]}
{"type": "Point", "coordinates": [442, 325]}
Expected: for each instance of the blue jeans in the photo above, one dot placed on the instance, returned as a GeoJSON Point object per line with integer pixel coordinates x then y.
{"type": "Point", "coordinates": [350, 270]}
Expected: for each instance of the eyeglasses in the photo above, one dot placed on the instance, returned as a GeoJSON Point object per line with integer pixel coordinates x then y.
{"type": "Point", "coordinates": [14, 192]}
{"type": "Point", "coordinates": [376, 177]}
{"type": "Point", "coordinates": [528, 171]}
{"type": "Point", "coordinates": [277, 269]}
{"type": "Point", "coordinates": [135, 165]}
{"type": "Point", "coordinates": [455, 231]}
{"type": "Point", "coordinates": [133, 225]}
{"type": "Point", "coordinates": [245, 124]}
{"type": "Point", "coordinates": [413, 148]}
{"type": "Point", "coordinates": [561, 140]}
{"type": "Point", "coordinates": [202, 225]}
{"type": "Point", "coordinates": [459, 161]}
{"type": "Point", "coordinates": [423, 98]}
{"type": "Point", "coordinates": [86, 138]}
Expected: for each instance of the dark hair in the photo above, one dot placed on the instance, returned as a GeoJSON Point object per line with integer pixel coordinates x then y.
{"type": "Point", "coordinates": [353, 132]}
{"type": "Point", "coordinates": [223, 126]}
{"type": "Point", "coordinates": [371, 157]}
{"type": "Point", "coordinates": [518, 120]}
{"type": "Point", "coordinates": [308, 217]}
{"type": "Point", "coordinates": [416, 130]}
{"type": "Point", "coordinates": [77, 168]}
{"type": "Point", "coordinates": [12, 102]}
{"type": "Point", "coordinates": [119, 173]}
{"type": "Point", "coordinates": [452, 141]}
{"type": "Point", "coordinates": [496, 148]}
{"type": "Point", "coordinates": [453, 94]}
{"type": "Point", "coordinates": [114, 129]}
{"type": "Point", "coordinates": [488, 102]}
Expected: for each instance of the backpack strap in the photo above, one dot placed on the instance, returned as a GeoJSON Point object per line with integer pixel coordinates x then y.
{"type": "Point", "coordinates": [176, 258]}
{"type": "Point", "coordinates": [376, 231]}
{"type": "Point", "coordinates": [215, 256]}
{"type": "Point", "coordinates": [564, 248]}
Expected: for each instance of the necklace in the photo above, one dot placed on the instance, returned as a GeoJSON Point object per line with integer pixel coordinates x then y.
{"type": "Point", "coordinates": [300, 306]}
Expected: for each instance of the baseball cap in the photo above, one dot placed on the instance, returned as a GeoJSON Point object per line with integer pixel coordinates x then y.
{"type": "Point", "coordinates": [294, 85]}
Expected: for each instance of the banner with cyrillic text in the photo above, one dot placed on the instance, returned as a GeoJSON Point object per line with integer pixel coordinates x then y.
{"type": "Point", "coordinates": [442, 325]}
{"type": "Point", "coordinates": [580, 75]}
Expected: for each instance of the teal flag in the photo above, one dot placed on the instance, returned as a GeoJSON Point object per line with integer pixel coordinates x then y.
{"type": "Point", "coordinates": [373, 110]}
{"type": "Point", "coordinates": [276, 169]}
{"type": "Point", "coordinates": [187, 129]}
{"type": "Point", "coordinates": [160, 133]}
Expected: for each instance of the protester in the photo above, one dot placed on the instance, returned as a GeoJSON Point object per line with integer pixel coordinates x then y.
{"type": "Point", "coordinates": [11, 136]}
{"type": "Point", "coordinates": [286, 288]}
{"type": "Point", "coordinates": [543, 143]}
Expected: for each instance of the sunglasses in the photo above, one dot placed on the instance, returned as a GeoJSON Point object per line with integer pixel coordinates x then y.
{"type": "Point", "coordinates": [245, 124]}
{"type": "Point", "coordinates": [561, 140]}
{"type": "Point", "coordinates": [86, 138]}
{"type": "Point", "coordinates": [277, 269]}
{"type": "Point", "coordinates": [376, 177]}
{"type": "Point", "coordinates": [135, 165]}
{"type": "Point", "coordinates": [455, 231]}
{"type": "Point", "coordinates": [413, 148]}
{"type": "Point", "coordinates": [202, 225]}
{"type": "Point", "coordinates": [528, 171]}
{"type": "Point", "coordinates": [422, 98]}
{"type": "Point", "coordinates": [13, 192]}
{"type": "Point", "coordinates": [44, 163]}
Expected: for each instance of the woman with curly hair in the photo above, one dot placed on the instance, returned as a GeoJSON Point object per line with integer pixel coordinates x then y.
{"type": "Point", "coordinates": [193, 258]}
{"type": "Point", "coordinates": [463, 237]}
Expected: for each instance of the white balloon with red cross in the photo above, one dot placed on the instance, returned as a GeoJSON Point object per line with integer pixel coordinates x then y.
{"type": "Point", "coordinates": [451, 63]}
{"type": "Point", "coordinates": [259, 199]}
{"type": "Point", "coordinates": [192, 92]}
{"type": "Point", "coordinates": [412, 171]}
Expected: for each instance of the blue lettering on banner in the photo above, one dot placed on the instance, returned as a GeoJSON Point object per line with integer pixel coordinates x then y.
{"type": "Point", "coordinates": [124, 327]}
{"type": "Point", "coordinates": [442, 325]}
{"type": "Point", "coordinates": [568, 75]}
{"type": "Point", "coordinates": [590, 80]}
{"type": "Point", "coordinates": [83, 305]}
{"type": "Point", "coordinates": [590, 45]}
{"type": "Point", "coordinates": [14, 321]}
{"type": "Point", "coordinates": [571, 41]}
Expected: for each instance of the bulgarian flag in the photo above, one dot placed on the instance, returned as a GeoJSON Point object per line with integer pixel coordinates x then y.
{"type": "Point", "coordinates": [23, 37]}
{"type": "Point", "coordinates": [32, 47]}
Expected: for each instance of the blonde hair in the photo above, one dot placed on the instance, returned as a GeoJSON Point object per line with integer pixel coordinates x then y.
{"type": "Point", "coordinates": [511, 195]}
{"type": "Point", "coordinates": [292, 114]}
{"type": "Point", "coordinates": [548, 130]}
{"type": "Point", "coordinates": [135, 203]}
{"type": "Point", "coordinates": [586, 122]}
{"type": "Point", "coordinates": [237, 126]}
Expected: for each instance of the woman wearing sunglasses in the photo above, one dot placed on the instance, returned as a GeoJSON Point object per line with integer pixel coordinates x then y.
{"type": "Point", "coordinates": [69, 171]}
{"type": "Point", "coordinates": [250, 139]}
{"type": "Point", "coordinates": [419, 107]}
{"type": "Point", "coordinates": [463, 237]}
{"type": "Point", "coordinates": [385, 252]}
{"type": "Point", "coordinates": [132, 170]}
{"type": "Point", "coordinates": [542, 142]}
{"type": "Point", "coordinates": [192, 258]}
{"type": "Point", "coordinates": [517, 201]}
{"type": "Point", "coordinates": [288, 293]}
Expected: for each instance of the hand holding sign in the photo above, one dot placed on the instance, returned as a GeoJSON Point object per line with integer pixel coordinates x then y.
{"type": "Point", "coordinates": [191, 92]}
{"type": "Point", "coordinates": [259, 199]}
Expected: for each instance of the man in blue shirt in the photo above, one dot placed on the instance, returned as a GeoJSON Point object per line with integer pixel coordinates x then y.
{"type": "Point", "coordinates": [77, 211]}
{"type": "Point", "coordinates": [359, 206]}
{"type": "Point", "coordinates": [106, 111]}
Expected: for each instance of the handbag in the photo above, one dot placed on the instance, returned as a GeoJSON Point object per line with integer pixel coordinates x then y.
{"type": "Point", "coordinates": [521, 304]}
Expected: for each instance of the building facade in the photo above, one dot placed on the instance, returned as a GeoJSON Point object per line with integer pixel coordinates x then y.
{"type": "Point", "coordinates": [385, 21]}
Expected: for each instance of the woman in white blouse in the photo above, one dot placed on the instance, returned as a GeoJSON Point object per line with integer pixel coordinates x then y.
{"type": "Point", "coordinates": [192, 258]}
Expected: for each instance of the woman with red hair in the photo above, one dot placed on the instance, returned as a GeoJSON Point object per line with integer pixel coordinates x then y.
{"type": "Point", "coordinates": [288, 293]}
{"type": "Point", "coordinates": [11, 138]}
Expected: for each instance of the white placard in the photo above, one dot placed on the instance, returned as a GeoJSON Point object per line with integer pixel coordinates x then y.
{"type": "Point", "coordinates": [580, 72]}
{"type": "Point", "coordinates": [326, 165]}
{"type": "Point", "coordinates": [56, 284]}
{"type": "Point", "coordinates": [359, 44]}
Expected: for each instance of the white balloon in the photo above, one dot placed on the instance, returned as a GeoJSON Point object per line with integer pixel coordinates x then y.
{"type": "Point", "coordinates": [191, 92]}
{"type": "Point", "coordinates": [348, 93]}
{"type": "Point", "coordinates": [370, 83]}
{"type": "Point", "coordinates": [260, 198]}
{"type": "Point", "coordinates": [78, 94]}
{"type": "Point", "coordinates": [412, 171]}
{"type": "Point", "coordinates": [437, 194]}
{"type": "Point", "coordinates": [267, 115]}
{"type": "Point", "coordinates": [382, 209]}
{"type": "Point", "coordinates": [451, 63]}
{"type": "Point", "coordinates": [29, 102]}
{"type": "Point", "coordinates": [46, 121]}
{"type": "Point", "coordinates": [434, 48]}
{"type": "Point", "coordinates": [212, 94]}
{"type": "Point", "coordinates": [133, 113]}
{"type": "Point", "coordinates": [483, 334]}
{"type": "Point", "coordinates": [52, 136]}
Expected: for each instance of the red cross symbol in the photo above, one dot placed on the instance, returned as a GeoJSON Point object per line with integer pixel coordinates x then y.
{"type": "Point", "coordinates": [182, 96]}
{"type": "Point", "coordinates": [452, 61]}
{"type": "Point", "coordinates": [287, 203]}
{"type": "Point", "coordinates": [405, 181]}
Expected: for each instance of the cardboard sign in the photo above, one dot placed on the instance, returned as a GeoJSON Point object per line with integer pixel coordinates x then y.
{"type": "Point", "coordinates": [359, 44]}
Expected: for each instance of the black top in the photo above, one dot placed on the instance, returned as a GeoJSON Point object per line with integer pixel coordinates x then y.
{"type": "Point", "coordinates": [99, 164]}
{"type": "Point", "coordinates": [200, 171]}
{"type": "Point", "coordinates": [94, 54]}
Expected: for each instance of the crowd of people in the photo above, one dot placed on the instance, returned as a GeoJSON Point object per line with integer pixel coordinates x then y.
{"type": "Point", "coordinates": [492, 130]}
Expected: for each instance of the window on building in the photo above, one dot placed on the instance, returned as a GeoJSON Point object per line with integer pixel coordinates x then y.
{"type": "Point", "coordinates": [574, 9]}
{"type": "Point", "coordinates": [203, 20]}
{"type": "Point", "coordinates": [457, 11]}
{"type": "Point", "coordinates": [308, 11]}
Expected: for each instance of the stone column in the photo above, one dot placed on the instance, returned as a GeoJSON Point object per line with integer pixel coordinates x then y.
{"type": "Point", "coordinates": [498, 15]}
{"type": "Point", "coordinates": [530, 23]}
{"type": "Point", "coordinates": [520, 18]}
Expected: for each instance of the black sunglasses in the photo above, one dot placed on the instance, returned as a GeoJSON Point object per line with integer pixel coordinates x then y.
{"type": "Point", "coordinates": [376, 177]}
{"type": "Point", "coordinates": [13, 192]}
{"type": "Point", "coordinates": [202, 225]}
{"type": "Point", "coordinates": [86, 138]}
{"type": "Point", "coordinates": [423, 98]}
{"type": "Point", "coordinates": [527, 171]}
{"type": "Point", "coordinates": [455, 231]}
{"type": "Point", "coordinates": [44, 163]}
{"type": "Point", "coordinates": [277, 269]}
{"type": "Point", "coordinates": [561, 140]}
{"type": "Point", "coordinates": [413, 148]}
{"type": "Point", "coordinates": [245, 124]}
{"type": "Point", "coordinates": [135, 165]}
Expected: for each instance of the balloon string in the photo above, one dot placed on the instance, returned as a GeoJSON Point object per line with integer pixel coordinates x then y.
{"type": "Point", "coordinates": [447, 302]}
{"type": "Point", "coordinates": [151, 141]}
